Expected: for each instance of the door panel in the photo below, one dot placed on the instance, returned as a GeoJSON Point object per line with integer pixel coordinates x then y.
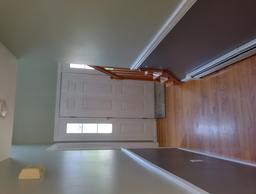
{"type": "Point", "coordinates": [84, 95]}
{"type": "Point", "coordinates": [123, 130]}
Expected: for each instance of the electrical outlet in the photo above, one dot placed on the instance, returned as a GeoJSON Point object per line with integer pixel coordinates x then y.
{"type": "Point", "coordinates": [3, 108]}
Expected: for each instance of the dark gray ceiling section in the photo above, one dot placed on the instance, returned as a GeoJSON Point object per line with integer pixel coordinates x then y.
{"type": "Point", "coordinates": [208, 30]}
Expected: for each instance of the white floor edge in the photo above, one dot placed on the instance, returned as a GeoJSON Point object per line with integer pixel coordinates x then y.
{"type": "Point", "coordinates": [101, 145]}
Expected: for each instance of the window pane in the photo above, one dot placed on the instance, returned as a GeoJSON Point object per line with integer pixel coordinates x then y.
{"type": "Point", "coordinates": [74, 128]}
{"type": "Point", "coordinates": [76, 66]}
{"type": "Point", "coordinates": [105, 128]}
{"type": "Point", "coordinates": [80, 66]}
{"type": "Point", "coordinates": [90, 128]}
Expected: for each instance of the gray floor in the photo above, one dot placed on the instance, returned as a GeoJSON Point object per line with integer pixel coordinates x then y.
{"type": "Point", "coordinates": [81, 172]}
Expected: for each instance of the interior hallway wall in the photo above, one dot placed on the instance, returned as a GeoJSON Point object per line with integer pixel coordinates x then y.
{"type": "Point", "coordinates": [215, 114]}
{"type": "Point", "coordinates": [7, 93]}
{"type": "Point", "coordinates": [35, 103]}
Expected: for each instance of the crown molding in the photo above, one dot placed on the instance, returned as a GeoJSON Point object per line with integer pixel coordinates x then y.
{"type": "Point", "coordinates": [246, 50]}
{"type": "Point", "coordinates": [174, 18]}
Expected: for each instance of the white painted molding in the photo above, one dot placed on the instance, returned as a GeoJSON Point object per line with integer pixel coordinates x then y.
{"type": "Point", "coordinates": [57, 103]}
{"type": "Point", "coordinates": [219, 157]}
{"type": "Point", "coordinates": [174, 18]}
{"type": "Point", "coordinates": [246, 50]}
{"type": "Point", "coordinates": [101, 145]}
{"type": "Point", "coordinates": [164, 173]}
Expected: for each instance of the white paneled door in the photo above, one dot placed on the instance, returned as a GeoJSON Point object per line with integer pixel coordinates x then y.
{"type": "Point", "coordinates": [84, 95]}
{"type": "Point", "coordinates": [88, 103]}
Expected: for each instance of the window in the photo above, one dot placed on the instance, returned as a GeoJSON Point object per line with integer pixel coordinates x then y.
{"type": "Point", "coordinates": [90, 128]}
{"type": "Point", "coordinates": [74, 128]}
{"type": "Point", "coordinates": [93, 128]}
{"type": "Point", "coordinates": [104, 128]}
{"type": "Point", "coordinates": [80, 66]}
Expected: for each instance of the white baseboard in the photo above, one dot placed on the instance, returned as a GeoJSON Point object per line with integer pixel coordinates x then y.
{"type": "Point", "coordinates": [101, 145]}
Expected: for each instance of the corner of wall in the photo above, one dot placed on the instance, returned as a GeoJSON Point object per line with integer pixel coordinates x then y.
{"type": "Point", "coordinates": [8, 65]}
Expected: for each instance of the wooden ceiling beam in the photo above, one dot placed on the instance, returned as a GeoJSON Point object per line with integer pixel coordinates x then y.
{"type": "Point", "coordinates": [103, 70]}
{"type": "Point", "coordinates": [165, 73]}
{"type": "Point", "coordinates": [146, 74]}
{"type": "Point", "coordinates": [137, 78]}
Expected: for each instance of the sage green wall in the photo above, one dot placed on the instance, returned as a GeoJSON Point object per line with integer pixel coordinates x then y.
{"type": "Point", "coordinates": [35, 103]}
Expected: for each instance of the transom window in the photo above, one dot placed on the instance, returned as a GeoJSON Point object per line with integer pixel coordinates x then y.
{"type": "Point", "coordinates": [80, 66]}
{"type": "Point", "coordinates": [93, 128]}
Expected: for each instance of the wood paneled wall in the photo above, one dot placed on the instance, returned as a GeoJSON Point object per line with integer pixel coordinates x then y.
{"type": "Point", "coordinates": [216, 114]}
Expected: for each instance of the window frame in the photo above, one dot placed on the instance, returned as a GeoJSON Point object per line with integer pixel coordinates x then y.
{"type": "Point", "coordinates": [84, 131]}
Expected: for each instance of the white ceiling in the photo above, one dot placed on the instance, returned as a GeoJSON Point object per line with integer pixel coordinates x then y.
{"type": "Point", "coordinates": [95, 32]}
